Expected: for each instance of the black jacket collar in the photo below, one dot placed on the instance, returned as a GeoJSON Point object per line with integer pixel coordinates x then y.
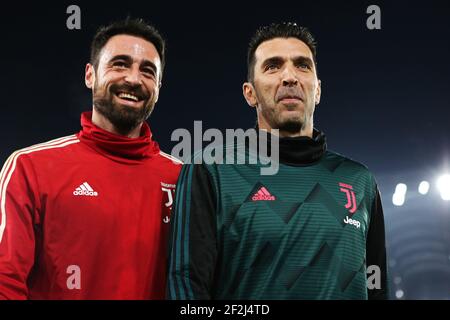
{"type": "Point", "coordinates": [299, 151]}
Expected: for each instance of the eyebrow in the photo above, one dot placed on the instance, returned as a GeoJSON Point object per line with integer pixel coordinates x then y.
{"type": "Point", "coordinates": [121, 57]}
{"type": "Point", "coordinates": [303, 59]}
{"type": "Point", "coordinates": [279, 60]}
{"type": "Point", "coordinates": [129, 59]}
{"type": "Point", "coordinates": [272, 60]}
{"type": "Point", "coordinates": [148, 63]}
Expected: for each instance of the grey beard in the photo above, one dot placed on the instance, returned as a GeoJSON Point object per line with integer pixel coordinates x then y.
{"type": "Point", "coordinates": [290, 125]}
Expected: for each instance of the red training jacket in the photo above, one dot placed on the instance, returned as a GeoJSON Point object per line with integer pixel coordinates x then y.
{"type": "Point", "coordinates": [86, 217]}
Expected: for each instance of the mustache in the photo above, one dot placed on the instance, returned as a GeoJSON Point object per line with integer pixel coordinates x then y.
{"type": "Point", "coordinates": [289, 92]}
{"type": "Point", "coordinates": [136, 90]}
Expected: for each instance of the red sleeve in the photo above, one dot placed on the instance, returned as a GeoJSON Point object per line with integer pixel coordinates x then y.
{"type": "Point", "coordinates": [18, 198]}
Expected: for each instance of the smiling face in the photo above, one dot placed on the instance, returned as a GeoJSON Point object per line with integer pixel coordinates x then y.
{"type": "Point", "coordinates": [285, 88]}
{"type": "Point", "coordinates": [125, 85]}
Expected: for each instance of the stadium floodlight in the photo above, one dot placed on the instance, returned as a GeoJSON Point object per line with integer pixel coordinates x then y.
{"type": "Point", "coordinates": [399, 294]}
{"type": "Point", "coordinates": [401, 188]}
{"type": "Point", "coordinates": [443, 185]}
{"type": "Point", "coordinates": [424, 187]}
{"type": "Point", "coordinates": [398, 198]}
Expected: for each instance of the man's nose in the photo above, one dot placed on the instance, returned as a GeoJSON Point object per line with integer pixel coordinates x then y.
{"type": "Point", "coordinates": [289, 77]}
{"type": "Point", "coordinates": [133, 75]}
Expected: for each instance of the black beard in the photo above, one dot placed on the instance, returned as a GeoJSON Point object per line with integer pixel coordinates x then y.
{"type": "Point", "coordinates": [123, 118]}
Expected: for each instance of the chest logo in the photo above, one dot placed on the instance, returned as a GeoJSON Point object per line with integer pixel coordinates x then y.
{"type": "Point", "coordinates": [169, 189]}
{"type": "Point", "coordinates": [351, 197]}
{"type": "Point", "coordinates": [85, 190]}
{"type": "Point", "coordinates": [263, 195]}
{"type": "Point", "coordinates": [353, 222]}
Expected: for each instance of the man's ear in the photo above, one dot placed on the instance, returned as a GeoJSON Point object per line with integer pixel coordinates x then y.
{"type": "Point", "coordinates": [249, 94]}
{"type": "Point", "coordinates": [89, 76]}
{"type": "Point", "coordinates": [318, 92]}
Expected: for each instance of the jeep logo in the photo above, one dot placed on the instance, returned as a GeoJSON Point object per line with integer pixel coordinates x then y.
{"type": "Point", "coordinates": [356, 223]}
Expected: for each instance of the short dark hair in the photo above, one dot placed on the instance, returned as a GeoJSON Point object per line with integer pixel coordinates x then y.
{"type": "Point", "coordinates": [133, 27]}
{"type": "Point", "coordinates": [278, 30]}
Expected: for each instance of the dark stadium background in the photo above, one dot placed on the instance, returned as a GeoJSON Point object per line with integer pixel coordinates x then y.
{"type": "Point", "coordinates": [385, 95]}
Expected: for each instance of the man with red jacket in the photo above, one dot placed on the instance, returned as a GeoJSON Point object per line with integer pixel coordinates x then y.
{"type": "Point", "coordinates": [86, 216]}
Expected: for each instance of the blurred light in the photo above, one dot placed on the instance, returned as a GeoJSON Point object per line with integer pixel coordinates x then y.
{"type": "Point", "coordinates": [399, 294]}
{"type": "Point", "coordinates": [424, 187]}
{"type": "Point", "coordinates": [401, 188]}
{"type": "Point", "coordinates": [397, 280]}
{"type": "Point", "coordinates": [392, 263]}
{"type": "Point", "coordinates": [398, 199]}
{"type": "Point", "coordinates": [443, 185]}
